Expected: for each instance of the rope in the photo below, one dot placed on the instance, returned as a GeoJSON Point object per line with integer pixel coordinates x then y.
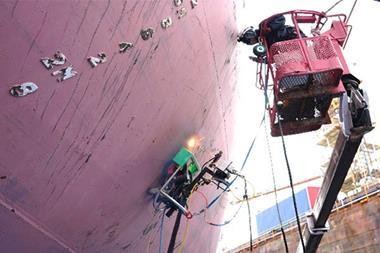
{"type": "Point", "coordinates": [348, 19]}
{"type": "Point", "coordinates": [184, 237]}
{"type": "Point", "coordinates": [235, 196]}
{"type": "Point", "coordinates": [161, 232]}
{"type": "Point", "coordinates": [249, 215]}
{"type": "Point", "coordinates": [206, 202]}
{"type": "Point", "coordinates": [204, 213]}
{"type": "Point", "coordinates": [175, 232]}
{"type": "Point", "coordinates": [182, 243]}
{"type": "Point", "coordinates": [332, 7]}
{"type": "Point", "coordinates": [275, 191]}
{"type": "Point", "coordinates": [272, 169]}
{"type": "Point", "coordinates": [287, 164]}
{"type": "Point", "coordinates": [257, 76]}
{"type": "Point", "coordinates": [215, 224]}
{"type": "Point", "coordinates": [291, 184]}
{"type": "Point", "coordinates": [156, 204]}
{"type": "Point", "coordinates": [242, 167]}
{"type": "Point", "coordinates": [352, 10]}
{"type": "Point", "coordinates": [228, 221]}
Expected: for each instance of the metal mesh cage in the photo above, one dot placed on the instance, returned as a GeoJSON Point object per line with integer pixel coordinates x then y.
{"type": "Point", "coordinates": [286, 52]}
{"type": "Point", "coordinates": [326, 78]}
{"type": "Point", "coordinates": [320, 48]}
{"type": "Point", "coordinates": [289, 82]}
{"type": "Point", "coordinates": [304, 62]}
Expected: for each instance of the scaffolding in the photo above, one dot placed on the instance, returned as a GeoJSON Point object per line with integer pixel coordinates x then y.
{"type": "Point", "coordinates": [365, 169]}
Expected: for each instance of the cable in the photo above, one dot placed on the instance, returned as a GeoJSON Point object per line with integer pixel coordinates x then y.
{"type": "Point", "coordinates": [206, 202]}
{"type": "Point", "coordinates": [249, 215]}
{"type": "Point", "coordinates": [177, 224]}
{"type": "Point", "coordinates": [257, 76]}
{"type": "Point", "coordinates": [242, 167]}
{"type": "Point", "coordinates": [175, 232]}
{"type": "Point", "coordinates": [161, 231]}
{"type": "Point", "coordinates": [289, 172]}
{"type": "Point", "coordinates": [156, 204]}
{"type": "Point", "coordinates": [207, 162]}
{"type": "Point", "coordinates": [205, 209]}
{"type": "Point", "coordinates": [184, 237]}
{"type": "Point", "coordinates": [291, 183]}
{"type": "Point", "coordinates": [182, 243]}
{"type": "Point", "coordinates": [273, 176]}
{"type": "Point", "coordinates": [250, 148]}
{"type": "Point", "coordinates": [352, 10]}
{"type": "Point", "coordinates": [349, 16]}
{"type": "Point", "coordinates": [236, 197]}
{"type": "Point", "coordinates": [251, 185]}
{"type": "Point", "coordinates": [228, 221]}
{"type": "Point", "coordinates": [333, 6]}
{"type": "Point", "coordinates": [179, 214]}
{"type": "Point", "coordinates": [275, 191]}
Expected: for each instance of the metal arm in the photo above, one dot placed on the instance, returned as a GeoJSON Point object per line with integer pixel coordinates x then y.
{"type": "Point", "coordinates": [356, 122]}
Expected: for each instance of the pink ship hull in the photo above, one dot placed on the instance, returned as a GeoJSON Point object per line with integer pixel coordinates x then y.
{"type": "Point", "coordinates": [76, 157]}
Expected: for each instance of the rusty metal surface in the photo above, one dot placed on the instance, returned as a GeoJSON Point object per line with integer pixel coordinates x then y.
{"type": "Point", "coordinates": [77, 156]}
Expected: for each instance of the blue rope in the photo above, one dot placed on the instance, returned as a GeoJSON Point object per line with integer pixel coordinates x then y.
{"type": "Point", "coordinates": [242, 166]}
{"type": "Point", "coordinates": [156, 203]}
{"type": "Point", "coordinates": [161, 231]}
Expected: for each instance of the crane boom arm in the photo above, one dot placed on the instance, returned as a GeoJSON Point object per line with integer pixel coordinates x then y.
{"type": "Point", "coordinates": [356, 122]}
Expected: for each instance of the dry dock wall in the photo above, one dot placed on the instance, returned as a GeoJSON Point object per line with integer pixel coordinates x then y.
{"type": "Point", "coordinates": [354, 228]}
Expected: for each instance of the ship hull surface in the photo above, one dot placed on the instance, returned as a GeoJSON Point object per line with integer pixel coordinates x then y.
{"type": "Point", "coordinates": [76, 157]}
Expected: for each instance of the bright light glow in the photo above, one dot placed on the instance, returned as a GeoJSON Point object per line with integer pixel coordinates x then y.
{"type": "Point", "coordinates": [193, 142]}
